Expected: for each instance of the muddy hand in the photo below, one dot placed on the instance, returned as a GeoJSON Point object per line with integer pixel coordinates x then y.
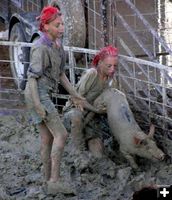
{"type": "Point", "coordinates": [41, 111]}
{"type": "Point", "coordinates": [78, 102]}
{"type": "Point", "coordinates": [93, 108]}
{"type": "Point", "coordinates": [101, 109]}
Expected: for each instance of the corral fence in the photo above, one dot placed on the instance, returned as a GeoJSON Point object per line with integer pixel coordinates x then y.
{"type": "Point", "coordinates": [147, 85]}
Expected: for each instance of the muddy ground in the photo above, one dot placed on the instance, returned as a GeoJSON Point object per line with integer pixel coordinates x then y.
{"type": "Point", "coordinates": [109, 178]}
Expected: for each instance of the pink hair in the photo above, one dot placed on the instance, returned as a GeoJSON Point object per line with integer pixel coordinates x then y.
{"type": "Point", "coordinates": [48, 14]}
{"type": "Point", "coordinates": [103, 53]}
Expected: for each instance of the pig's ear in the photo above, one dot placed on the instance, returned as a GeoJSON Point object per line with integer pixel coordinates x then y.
{"type": "Point", "coordinates": [136, 140]}
{"type": "Point", "coordinates": [151, 131]}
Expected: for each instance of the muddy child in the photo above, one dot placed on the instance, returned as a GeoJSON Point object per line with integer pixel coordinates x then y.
{"type": "Point", "coordinates": [46, 70]}
{"type": "Point", "coordinates": [91, 85]}
{"type": "Point", "coordinates": [97, 86]}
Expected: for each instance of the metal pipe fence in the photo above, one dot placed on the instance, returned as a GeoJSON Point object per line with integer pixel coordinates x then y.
{"type": "Point", "coordinates": [147, 85]}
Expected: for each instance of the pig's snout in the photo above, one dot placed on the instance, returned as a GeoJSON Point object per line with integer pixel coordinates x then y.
{"type": "Point", "coordinates": [161, 156]}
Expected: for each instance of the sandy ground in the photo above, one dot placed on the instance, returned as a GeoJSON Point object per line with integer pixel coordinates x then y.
{"type": "Point", "coordinates": [109, 178]}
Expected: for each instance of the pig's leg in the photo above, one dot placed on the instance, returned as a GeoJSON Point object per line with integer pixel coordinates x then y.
{"type": "Point", "coordinates": [130, 159]}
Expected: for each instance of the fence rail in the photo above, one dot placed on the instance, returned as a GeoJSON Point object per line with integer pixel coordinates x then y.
{"type": "Point", "coordinates": [148, 85]}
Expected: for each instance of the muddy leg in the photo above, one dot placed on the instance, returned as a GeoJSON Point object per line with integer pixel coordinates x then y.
{"type": "Point", "coordinates": [96, 147]}
{"type": "Point", "coordinates": [59, 134]}
{"type": "Point", "coordinates": [56, 154]}
{"type": "Point", "coordinates": [46, 145]}
{"type": "Point", "coordinates": [77, 130]}
{"type": "Point", "coordinates": [56, 184]}
{"type": "Point", "coordinates": [78, 149]}
{"type": "Point", "coordinates": [130, 159]}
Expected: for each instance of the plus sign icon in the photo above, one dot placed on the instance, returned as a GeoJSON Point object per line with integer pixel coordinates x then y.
{"type": "Point", "coordinates": [164, 192]}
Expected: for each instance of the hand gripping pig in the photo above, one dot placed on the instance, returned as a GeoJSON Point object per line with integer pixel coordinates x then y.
{"type": "Point", "coordinates": [132, 140]}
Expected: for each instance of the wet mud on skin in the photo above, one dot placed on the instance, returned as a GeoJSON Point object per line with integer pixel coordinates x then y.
{"type": "Point", "coordinates": [107, 178]}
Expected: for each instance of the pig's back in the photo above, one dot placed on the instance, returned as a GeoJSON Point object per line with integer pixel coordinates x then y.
{"type": "Point", "coordinates": [120, 117]}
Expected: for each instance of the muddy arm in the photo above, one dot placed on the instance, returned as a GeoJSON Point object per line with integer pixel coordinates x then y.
{"type": "Point", "coordinates": [68, 86]}
{"type": "Point", "coordinates": [76, 98]}
{"type": "Point", "coordinates": [100, 109]}
{"type": "Point", "coordinates": [35, 97]}
{"type": "Point", "coordinates": [82, 101]}
{"type": "Point", "coordinates": [34, 91]}
{"type": "Point", "coordinates": [92, 108]}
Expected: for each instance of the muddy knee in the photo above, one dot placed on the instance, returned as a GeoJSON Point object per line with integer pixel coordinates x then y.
{"type": "Point", "coordinates": [58, 146]}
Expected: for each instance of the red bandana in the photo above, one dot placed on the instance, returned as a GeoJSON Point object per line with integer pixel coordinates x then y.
{"type": "Point", "coordinates": [103, 53]}
{"type": "Point", "coordinates": [48, 14]}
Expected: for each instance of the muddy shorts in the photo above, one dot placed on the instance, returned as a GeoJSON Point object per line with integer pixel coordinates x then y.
{"type": "Point", "coordinates": [54, 124]}
{"type": "Point", "coordinates": [45, 100]}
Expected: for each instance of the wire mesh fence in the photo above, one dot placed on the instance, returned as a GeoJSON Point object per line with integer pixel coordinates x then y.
{"type": "Point", "coordinates": [145, 26]}
{"type": "Point", "coordinates": [148, 87]}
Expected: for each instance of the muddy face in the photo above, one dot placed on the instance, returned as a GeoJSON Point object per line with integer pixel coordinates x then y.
{"type": "Point", "coordinates": [108, 66]}
{"type": "Point", "coordinates": [55, 28]}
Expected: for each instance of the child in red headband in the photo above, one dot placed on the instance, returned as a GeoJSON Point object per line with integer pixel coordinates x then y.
{"type": "Point", "coordinates": [104, 52]}
{"type": "Point", "coordinates": [46, 70]}
{"type": "Point", "coordinates": [48, 14]}
{"type": "Point", "coordinates": [90, 86]}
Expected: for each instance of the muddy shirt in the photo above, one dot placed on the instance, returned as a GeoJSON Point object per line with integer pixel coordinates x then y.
{"type": "Point", "coordinates": [90, 86]}
{"type": "Point", "coordinates": [47, 63]}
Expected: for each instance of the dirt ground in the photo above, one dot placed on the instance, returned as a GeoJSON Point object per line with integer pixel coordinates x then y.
{"type": "Point", "coordinates": [109, 178]}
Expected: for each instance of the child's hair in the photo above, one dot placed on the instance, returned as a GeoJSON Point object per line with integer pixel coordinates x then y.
{"type": "Point", "coordinates": [48, 14]}
{"type": "Point", "coordinates": [103, 53]}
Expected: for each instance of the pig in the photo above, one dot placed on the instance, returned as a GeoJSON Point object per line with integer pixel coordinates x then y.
{"type": "Point", "coordinates": [132, 140]}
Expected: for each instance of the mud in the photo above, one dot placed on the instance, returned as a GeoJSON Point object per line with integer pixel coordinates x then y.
{"type": "Point", "coordinates": [108, 178]}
